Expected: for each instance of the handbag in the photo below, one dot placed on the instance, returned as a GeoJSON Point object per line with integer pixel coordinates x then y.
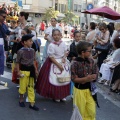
{"type": "Point", "coordinates": [104, 47]}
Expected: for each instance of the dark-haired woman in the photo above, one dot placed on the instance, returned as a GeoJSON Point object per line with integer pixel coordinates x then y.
{"type": "Point", "coordinates": [23, 16]}
{"type": "Point", "coordinates": [111, 30]}
{"type": "Point", "coordinates": [48, 36]}
{"type": "Point", "coordinates": [92, 33]}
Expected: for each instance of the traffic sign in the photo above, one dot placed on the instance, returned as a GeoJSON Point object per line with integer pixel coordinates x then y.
{"type": "Point", "coordinates": [90, 6]}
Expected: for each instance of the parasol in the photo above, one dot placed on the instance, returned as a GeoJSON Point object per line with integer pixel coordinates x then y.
{"type": "Point", "coordinates": [104, 12]}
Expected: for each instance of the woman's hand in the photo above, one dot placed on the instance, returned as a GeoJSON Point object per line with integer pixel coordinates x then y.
{"type": "Point", "coordinates": [63, 60]}
{"type": "Point", "coordinates": [106, 60]}
{"type": "Point", "coordinates": [98, 38]}
{"type": "Point", "coordinates": [36, 72]}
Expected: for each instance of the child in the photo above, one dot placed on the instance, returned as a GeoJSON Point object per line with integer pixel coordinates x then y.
{"type": "Point", "coordinates": [56, 65]}
{"type": "Point", "coordinates": [27, 71]}
{"type": "Point", "coordinates": [73, 53]}
{"type": "Point", "coordinates": [83, 73]}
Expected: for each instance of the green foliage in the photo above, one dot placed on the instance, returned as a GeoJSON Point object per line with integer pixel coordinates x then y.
{"type": "Point", "coordinates": [69, 16]}
{"type": "Point", "coordinates": [50, 13]}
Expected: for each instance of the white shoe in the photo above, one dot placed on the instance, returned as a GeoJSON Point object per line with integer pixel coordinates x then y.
{"type": "Point", "coordinates": [64, 100]}
{"type": "Point", "coordinates": [106, 83]}
{"type": "Point", "coordinates": [57, 100]}
{"type": "Point", "coordinates": [18, 86]}
{"type": "Point", "coordinates": [101, 80]}
{"type": "Point", "coordinates": [27, 99]}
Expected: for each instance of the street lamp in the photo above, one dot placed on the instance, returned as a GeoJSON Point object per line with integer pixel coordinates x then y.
{"type": "Point", "coordinates": [86, 14]}
{"type": "Point", "coordinates": [115, 7]}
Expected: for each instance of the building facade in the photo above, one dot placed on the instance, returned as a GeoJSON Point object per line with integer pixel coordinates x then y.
{"type": "Point", "coordinates": [38, 8]}
{"type": "Point", "coordinates": [114, 4]}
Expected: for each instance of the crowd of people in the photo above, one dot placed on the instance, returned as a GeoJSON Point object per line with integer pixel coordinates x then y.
{"type": "Point", "coordinates": [63, 69]}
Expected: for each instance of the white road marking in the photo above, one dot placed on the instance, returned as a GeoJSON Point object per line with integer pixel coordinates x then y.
{"type": "Point", "coordinates": [7, 75]}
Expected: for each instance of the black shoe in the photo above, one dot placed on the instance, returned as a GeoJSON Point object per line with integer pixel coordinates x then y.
{"type": "Point", "coordinates": [34, 108]}
{"type": "Point", "coordinates": [21, 104]}
{"type": "Point", "coordinates": [118, 92]}
{"type": "Point", "coordinates": [115, 91]}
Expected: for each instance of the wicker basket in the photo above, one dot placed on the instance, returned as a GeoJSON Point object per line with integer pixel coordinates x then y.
{"type": "Point", "coordinates": [63, 79]}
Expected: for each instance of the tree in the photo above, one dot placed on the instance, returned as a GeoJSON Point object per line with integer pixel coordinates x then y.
{"type": "Point", "coordinates": [68, 17]}
{"type": "Point", "coordinates": [50, 13]}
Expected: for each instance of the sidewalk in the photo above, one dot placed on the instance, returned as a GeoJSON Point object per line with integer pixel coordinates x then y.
{"type": "Point", "coordinates": [107, 91]}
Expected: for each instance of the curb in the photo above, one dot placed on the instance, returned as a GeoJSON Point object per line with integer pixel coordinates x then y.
{"type": "Point", "coordinates": [106, 89]}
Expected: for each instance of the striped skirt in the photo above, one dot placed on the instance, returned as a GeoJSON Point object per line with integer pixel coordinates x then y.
{"type": "Point", "coordinates": [1, 59]}
{"type": "Point", "coordinates": [44, 88]}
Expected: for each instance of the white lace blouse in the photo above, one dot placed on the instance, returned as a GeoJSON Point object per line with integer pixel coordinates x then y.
{"type": "Point", "coordinates": [57, 51]}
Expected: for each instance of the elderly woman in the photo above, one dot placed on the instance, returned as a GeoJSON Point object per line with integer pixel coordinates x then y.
{"type": "Point", "coordinates": [111, 61]}
{"type": "Point", "coordinates": [102, 39]}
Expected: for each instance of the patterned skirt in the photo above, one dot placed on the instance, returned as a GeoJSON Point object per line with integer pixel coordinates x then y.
{"type": "Point", "coordinates": [44, 88]}
{"type": "Point", "coordinates": [1, 59]}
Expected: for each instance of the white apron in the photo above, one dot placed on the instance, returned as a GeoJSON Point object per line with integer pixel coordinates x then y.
{"type": "Point", "coordinates": [55, 72]}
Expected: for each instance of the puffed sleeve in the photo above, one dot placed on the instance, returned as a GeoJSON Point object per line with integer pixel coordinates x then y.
{"type": "Point", "coordinates": [51, 50]}
{"type": "Point", "coordinates": [65, 46]}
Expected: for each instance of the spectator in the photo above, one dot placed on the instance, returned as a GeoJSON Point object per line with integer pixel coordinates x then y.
{"type": "Point", "coordinates": [111, 61]}
{"type": "Point", "coordinates": [102, 39]}
{"type": "Point", "coordinates": [91, 36]}
{"type": "Point", "coordinates": [116, 74]}
{"type": "Point", "coordinates": [42, 27]}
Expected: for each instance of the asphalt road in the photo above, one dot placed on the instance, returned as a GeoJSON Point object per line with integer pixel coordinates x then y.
{"type": "Point", "coordinates": [49, 110]}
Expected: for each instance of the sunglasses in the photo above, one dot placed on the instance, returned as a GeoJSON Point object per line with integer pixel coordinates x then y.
{"type": "Point", "coordinates": [3, 16]}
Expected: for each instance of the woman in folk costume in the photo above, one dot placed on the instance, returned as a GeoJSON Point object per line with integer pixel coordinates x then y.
{"type": "Point", "coordinates": [48, 36]}
{"type": "Point", "coordinates": [56, 65]}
